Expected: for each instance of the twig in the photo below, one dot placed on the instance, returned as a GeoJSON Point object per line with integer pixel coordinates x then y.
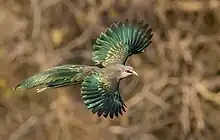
{"type": "Point", "coordinates": [205, 93]}
{"type": "Point", "coordinates": [185, 112]}
{"type": "Point", "coordinates": [48, 3]}
{"type": "Point", "coordinates": [23, 129]}
{"type": "Point", "coordinates": [144, 93]}
{"type": "Point", "coordinates": [83, 38]}
{"type": "Point", "coordinates": [36, 18]}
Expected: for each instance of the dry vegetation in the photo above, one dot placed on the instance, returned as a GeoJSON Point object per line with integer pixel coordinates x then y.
{"type": "Point", "coordinates": [177, 96]}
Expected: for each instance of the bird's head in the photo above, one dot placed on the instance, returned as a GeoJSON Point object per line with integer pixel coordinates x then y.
{"type": "Point", "coordinates": [127, 71]}
{"type": "Point", "coordinates": [121, 71]}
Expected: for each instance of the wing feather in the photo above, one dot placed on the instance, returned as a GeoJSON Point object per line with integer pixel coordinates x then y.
{"type": "Point", "coordinates": [103, 99]}
{"type": "Point", "coordinates": [120, 41]}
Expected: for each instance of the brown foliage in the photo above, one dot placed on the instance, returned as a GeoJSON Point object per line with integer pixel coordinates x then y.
{"type": "Point", "coordinates": [176, 96]}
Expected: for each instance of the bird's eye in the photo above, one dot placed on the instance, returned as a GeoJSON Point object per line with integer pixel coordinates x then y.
{"type": "Point", "coordinates": [128, 71]}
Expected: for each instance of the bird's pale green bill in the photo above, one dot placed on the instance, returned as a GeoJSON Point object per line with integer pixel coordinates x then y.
{"type": "Point", "coordinates": [135, 73]}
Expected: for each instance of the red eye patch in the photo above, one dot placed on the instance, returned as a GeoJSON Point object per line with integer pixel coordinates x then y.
{"type": "Point", "coordinates": [128, 71]}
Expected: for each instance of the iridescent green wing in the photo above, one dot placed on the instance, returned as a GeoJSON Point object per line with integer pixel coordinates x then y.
{"type": "Point", "coordinates": [102, 96]}
{"type": "Point", "coordinates": [55, 77]}
{"type": "Point", "coordinates": [120, 41]}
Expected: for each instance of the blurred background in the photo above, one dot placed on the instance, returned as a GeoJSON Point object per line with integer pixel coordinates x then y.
{"type": "Point", "coordinates": [176, 96]}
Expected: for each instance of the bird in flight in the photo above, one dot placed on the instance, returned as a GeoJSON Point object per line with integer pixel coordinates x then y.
{"type": "Point", "coordinates": [100, 81]}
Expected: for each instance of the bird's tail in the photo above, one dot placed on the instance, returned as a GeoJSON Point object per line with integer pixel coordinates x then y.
{"type": "Point", "coordinates": [55, 77]}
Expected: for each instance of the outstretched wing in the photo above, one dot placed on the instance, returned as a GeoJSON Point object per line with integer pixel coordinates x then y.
{"type": "Point", "coordinates": [102, 96]}
{"type": "Point", "coordinates": [120, 41]}
{"type": "Point", "coordinates": [55, 77]}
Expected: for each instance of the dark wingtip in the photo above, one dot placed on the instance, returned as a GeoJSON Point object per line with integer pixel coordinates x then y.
{"type": "Point", "coordinates": [99, 65]}
{"type": "Point", "coordinates": [139, 23]}
{"type": "Point", "coordinates": [15, 87]}
{"type": "Point", "coordinates": [111, 114]}
{"type": "Point", "coordinates": [126, 20]}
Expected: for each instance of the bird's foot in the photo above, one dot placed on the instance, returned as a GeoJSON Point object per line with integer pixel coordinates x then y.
{"type": "Point", "coordinates": [41, 89]}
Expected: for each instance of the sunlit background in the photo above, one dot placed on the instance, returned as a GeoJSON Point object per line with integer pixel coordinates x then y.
{"type": "Point", "coordinates": [176, 96]}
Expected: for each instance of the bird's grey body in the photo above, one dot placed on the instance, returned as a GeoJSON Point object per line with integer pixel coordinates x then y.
{"type": "Point", "coordinates": [99, 83]}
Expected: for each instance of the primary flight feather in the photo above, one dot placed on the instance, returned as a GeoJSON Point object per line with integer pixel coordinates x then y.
{"type": "Point", "coordinates": [99, 83]}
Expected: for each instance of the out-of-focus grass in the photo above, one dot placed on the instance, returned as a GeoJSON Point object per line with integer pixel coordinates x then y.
{"type": "Point", "coordinates": [176, 96]}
